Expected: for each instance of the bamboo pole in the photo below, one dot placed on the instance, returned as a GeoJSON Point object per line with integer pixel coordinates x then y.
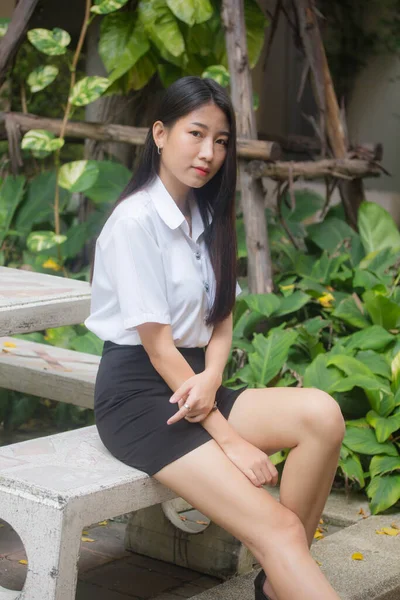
{"type": "Point", "coordinates": [346, 169]}
{"type": "Point", "coordinates": [259, 259]}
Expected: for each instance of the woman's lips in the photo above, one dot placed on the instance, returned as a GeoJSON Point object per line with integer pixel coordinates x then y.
{"type": "Point", "coordinates": [200, 171]}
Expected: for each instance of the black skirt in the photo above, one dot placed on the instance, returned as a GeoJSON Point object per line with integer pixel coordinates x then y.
{"type": "Point", "coordinates": [131, 405]}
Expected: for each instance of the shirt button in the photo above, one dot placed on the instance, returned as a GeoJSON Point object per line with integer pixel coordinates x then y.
{"type": "Point", "coordinates": [206, 286]}
{"type": "Point", "coordinates": [198, 255]}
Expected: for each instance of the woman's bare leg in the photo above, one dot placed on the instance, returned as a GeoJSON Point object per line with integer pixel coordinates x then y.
{"type": "Point", "coordinates": [210, 482]}
{"type": "Point", "coordinates": [310, 423]}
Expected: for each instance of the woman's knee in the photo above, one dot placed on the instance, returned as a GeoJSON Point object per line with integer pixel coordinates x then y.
{"type": "Point", "coordinates": [287, 530]}
{"type": "Point", "coordinates": [324, 417]}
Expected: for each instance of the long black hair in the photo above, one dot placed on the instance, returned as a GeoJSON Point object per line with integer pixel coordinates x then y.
{"type": "Point", "coordinates": [218, 194]}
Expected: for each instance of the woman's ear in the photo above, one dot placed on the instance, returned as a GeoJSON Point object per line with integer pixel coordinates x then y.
{"type": "Point", "coordinates": [158, 133]}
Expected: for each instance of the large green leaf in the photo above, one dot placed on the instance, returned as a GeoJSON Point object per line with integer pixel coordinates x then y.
{"type": "Point", "coordinates": [384, 426]}
{"type": "Point", "coordinates": [41, 77]}
{"type": "Point", "coordinates": [39, 204]}
{"type": "Point", "coordinates": [79, 175]}
{"type": "Point", "coordinates": [292, 303]}
{"type": "Point", "coordinates": [331, 234]}
{"type": "Point", "coordinates": [362, 381]}
{"type": "Point", "coordinates": [383, 492]}
{"type": "Point", "coordinates": [256, 23]}
{"type": "Point", "coordinates": [88, 343]}
{"type": "Point", "coordinates": [382, 310]}
{"type": "Point", "coordinates": [122, 43]}
{"type": "Point", "coordinates": [220, 75]}
{"type": "Point", "coordinates": [265, 304]}
{"type": "Point", "coordinates": [11, 193]}
{"type": "Point", "coordinates": [88, 89]}
{"type": "Point", "coordinates": [352, 468]}
{"type": "Point", "coordinates": [270, 355]}
{"type": "Point", "coordinates": [371, 338]}
{"type": "Point", "coordinates": [103, 7]}
{"type": "Point", "coordinates": [4, 23]}
{"type": "Point", "coordinates": [349, 365]}
{"type": "Point", "coordinates": [52, 43]}
{"type": "Point", "coordinates": [380, 465]}
{"type": "Point", "coordinates": [111, 181]}
{"type": "Point", "coordinates": [318, 375]}
{"type": "Point", "coordinates": [191, 11]}
{"type": "Point", "coordinates": [363, 441]}
{"type": "Point", "coordinates": [377, 363]}
{"type": "Point", "coordinates": [380, 260]}
{"type": "Point", "coordinates": [348, 311]}
{"type": "Point", "coordinates": [142, 71]}
{"type": "Point", "coordinates": [377, 228]}
{"type": "Point", "coordinates": [395, 367]}
{"type": "Point", "coordinates": [161, 25]}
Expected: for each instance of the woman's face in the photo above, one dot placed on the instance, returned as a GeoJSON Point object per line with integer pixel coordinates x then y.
{"type": "Point", "coordinates": [194, 149]}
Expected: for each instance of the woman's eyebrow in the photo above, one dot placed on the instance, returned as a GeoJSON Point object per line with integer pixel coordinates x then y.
{"type": "Point", "coordinates": [206, 127]}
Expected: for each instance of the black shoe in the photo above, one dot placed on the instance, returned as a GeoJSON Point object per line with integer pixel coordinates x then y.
{"type": "Point", "coordinates": [258, 586]}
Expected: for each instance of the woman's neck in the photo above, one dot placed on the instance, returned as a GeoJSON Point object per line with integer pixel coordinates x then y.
{"type": "Point", "coordinates": [178, 191]}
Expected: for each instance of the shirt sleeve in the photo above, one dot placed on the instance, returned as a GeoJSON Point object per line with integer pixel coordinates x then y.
{"type": "Point", "coordinates": [134, 263]}
{"type": "Point", "coordinates": [238, 289]}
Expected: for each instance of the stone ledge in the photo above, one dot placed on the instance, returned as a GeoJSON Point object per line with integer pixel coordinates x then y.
{"type": "Point", "coordinates": [377, 577]}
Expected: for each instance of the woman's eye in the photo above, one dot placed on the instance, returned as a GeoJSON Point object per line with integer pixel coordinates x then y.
{"type": "Point", "coordinates": [195, 132]}
{"type": "Point", "coordinates": [224, 142]}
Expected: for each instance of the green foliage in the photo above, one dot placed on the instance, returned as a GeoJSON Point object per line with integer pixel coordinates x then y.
{"type": "Point", "coordinates": [333, 324]}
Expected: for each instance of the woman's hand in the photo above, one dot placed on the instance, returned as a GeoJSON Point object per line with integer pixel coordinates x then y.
{"type": "Point", "coordinates": [199, 392]}
{"type": "Point", "coordinates": [252, 461]}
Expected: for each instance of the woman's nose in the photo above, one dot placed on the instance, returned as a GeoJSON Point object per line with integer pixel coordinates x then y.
{"type": "Point", "coordinates": [207, 150]}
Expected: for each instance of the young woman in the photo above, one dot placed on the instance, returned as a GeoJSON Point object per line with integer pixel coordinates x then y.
{"type": "Point", "coordinates": [163, 290]}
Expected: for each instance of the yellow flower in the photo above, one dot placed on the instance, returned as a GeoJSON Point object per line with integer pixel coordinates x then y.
{"type": "Point", "coordinates": [326, 300]}
{"type": "Point", "coordinates": [9, 345]}
{"type": "Point", "coordinates": [51, 264]}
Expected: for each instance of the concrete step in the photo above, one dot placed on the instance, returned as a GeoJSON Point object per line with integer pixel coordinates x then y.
{"type": "Point", "coordinates": [376, 577]}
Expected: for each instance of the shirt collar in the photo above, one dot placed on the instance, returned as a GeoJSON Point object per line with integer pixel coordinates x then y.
{"type": "Point", "coordinates": [169, 211]}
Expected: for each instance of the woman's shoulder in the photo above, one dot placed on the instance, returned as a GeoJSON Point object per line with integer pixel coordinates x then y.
{"type": "Point", "coordinates": [135, 210]}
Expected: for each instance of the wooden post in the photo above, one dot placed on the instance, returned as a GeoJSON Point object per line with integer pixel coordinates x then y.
{"type": "Point", "coordinates": [15, 35]}
{"type": "Point", "coordinates": [352, 192]}
{"type": "Point", "coordinates": [259, 258]}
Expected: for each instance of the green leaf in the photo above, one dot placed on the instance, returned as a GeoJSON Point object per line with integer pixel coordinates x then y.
{"type": "Point", "coordinates": [363, 441]}
{"type": "Point", "coordinates": [270, 354]}
{"type": "Point", "coordinates": [265, 304]}
{"type": "Point", "coordinates": [383, 492]}
{"type": "Point", "coordinates": [380, 465]}
{"type": "Point", "coordinates": [384, 426]}
{"type": "Point", "coordinates": [255, 23]}
{"type": "Point", "coordinates": [38, 207]}
{"type": "Point", "coordinates": [52, 43]}
{"type": "Point", "coordinates": [142, 71]}
{"type": "Point", "coordinates": [395, 367]}
{"type": "Point", "coordinates": [382, 310]}
{"type": "Point", "coordinates": [352, 468]}
{"type": "Point", "coordinates": [191, 11]}
{"type": "Point", "coordinates": [41, 142]}
{"type": "Point", "coordinates": [348, 311]}
{"type": "Point", "coordinates": [161, 25]}
{"type": "Point", "coordinates": [79, 175]}
{"type": "Point", "coordinates": [122, 43]}
{"type": "Point", "coordinates": [380, 260]}
{"type": "Point", "coordinates": [11, 193]}
{"type": "Point", "coordinates": [362, 381]}
{"type": "Point", "coordinates": [103, 7]}
{"type": "Point", "coordinates": [318, 375]}
{"type": "Point", "coordinates": [111, 181]}
{"type": "Point", "coordinates": [43, 240]}
{"type": "Point", "coordinates": [330, 234]}
{"type": "Point", "coordinates": [292, 303]}
{"type": "Point", "coordinates": [377, 228]}
{"type": "Point", "coordinates": [374, 337]}
{"type": "Point", "coordinates": [349, 365]}
{"type": "Point", "coordinates": [88, 89]}
{"type": "Point", "coordinates": [41, 77]}
{"type": "Point", "coordinates": [375, 362]}
{"type": "Point", "coordinates": [218, 73]}
{"type": "Point", "coordinates": [88, 343]}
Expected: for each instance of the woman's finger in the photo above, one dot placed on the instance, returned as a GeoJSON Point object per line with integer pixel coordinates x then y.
{"type": "Point", "coordinates": [180, 414]}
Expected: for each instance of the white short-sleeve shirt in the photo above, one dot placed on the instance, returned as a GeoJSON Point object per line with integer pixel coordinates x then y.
{"type": "Point", "coordinates": [147, 268]}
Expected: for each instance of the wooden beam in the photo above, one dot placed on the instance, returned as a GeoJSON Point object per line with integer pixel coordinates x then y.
{"type": "Point", "coordinates": [345, 169]}
{"type": "Point", "coordinates": [259, 267]}
{"type": "Point", "coordinates": [248, 149]}
{"type": "Point", "coordinates": [15, 34]}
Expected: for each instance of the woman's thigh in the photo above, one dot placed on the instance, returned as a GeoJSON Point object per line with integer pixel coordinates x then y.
{"type": "Point", "coordinates": [210, 482]}
{"type": "Point", "coordinates": [277, 418]}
